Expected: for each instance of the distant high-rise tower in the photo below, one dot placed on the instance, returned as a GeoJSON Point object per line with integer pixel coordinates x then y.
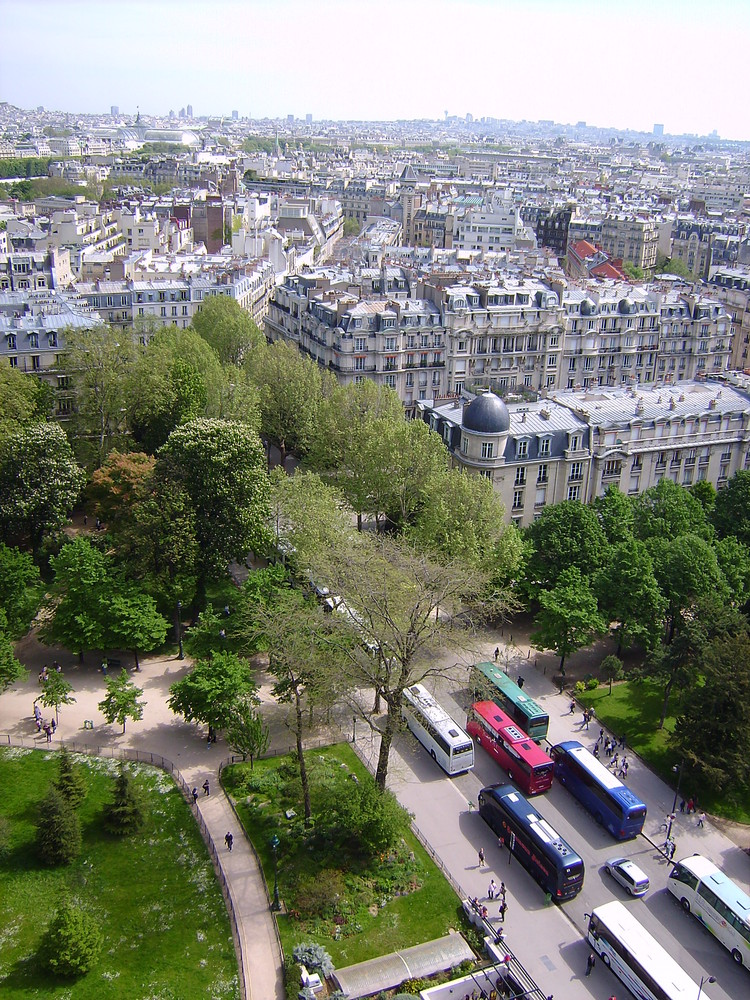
{"type": "Point", "coordinates": [290, 118]}
{"type": "Point", "coordinates": [181, 113]}
{"type": "Point", "coordinates": [114, 111]}
{"type": "Point", "coordinates": [190, 110]}
{"type": "Point", "coordinates": [235, 115]}
{"type": "Point", "coordinates": [658, 130]}
{"type": "Point", "coordinates": [308, 119]}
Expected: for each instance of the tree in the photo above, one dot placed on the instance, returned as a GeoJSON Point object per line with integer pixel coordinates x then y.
{"type": "Point", "coordinates": [24, 400]}
{"type": "Point", "coordinates": [119, 484]}
{"type": "Point", "coordinates": [228, 329]}
{"type": "Point", "coordinates": [705, 494]}
{"type": "Point", "coordinates": [221, 467]}
{"type": "Point", "coordinates": [612, 669]}
{"type": "Point", "coordinates": [245, 730]}
{"type": "Point", "coordinates": [370, 821]}
{"type": "Point", "coordinates": [676, 666]}
{"type": "Point", "coordinates": [568, 535]}
{"type": "Point", "coordinates": [672, 265]}
{"type": "Point", "coordinates": [133, 621]}
{"type": "Point", "coordinates": [121, 700]}
{"type": "Point", "coordinates": [634, 272]}
{"type": "Point", "coordinates": [406, 607]}
{"type": "Point", "coordinates": [731, 513]}
{"type": "Point", "coordinates": [290, 388]}
{"type": "Point", "coordinates": [629, 595]}
{"type": "Point", "coordinates": [70, 782]}
{"type": "Point", "coordinates": [734, 562]}
{"type": "Point", "coordinates": [126, 813]}
{"type": "Point", "coordinates": [208, 692]}
{"type": "Point", "coordinates": [11, 670]}
{"type": "Point", "coordinates": [71, 944]}
{"type": "Point", "coordinates": [80, 591]}
{"type": "Point", "coordinates": [58, 830]}
{"type": "Point", "coordinates": [351, 227]}
{"type": "Point", "coordinates": [175, 396]}
{"type": "Point", "coordinates": [568, 619]}
{"type": "Point", "coordinates": [56, 691]}
{"type": "Point", "coordinates": [98, 362]}
{"type": "Point", "coordinates": [686, 570]}
{"type": "Point", "coordinates": [39, 482]}
{"type": "Point", "coordinates": [616, 515]}
{"type": "Point", "coordinates": [666, 511]}
{"type": "Point", "coordinates": [713, 729]}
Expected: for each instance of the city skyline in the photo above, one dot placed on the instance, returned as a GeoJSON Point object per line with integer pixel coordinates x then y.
{"type": "Point", "coordinates": [504, 59]}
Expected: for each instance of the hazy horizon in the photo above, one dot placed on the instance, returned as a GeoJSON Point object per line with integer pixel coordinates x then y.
{"type": "Point", "coordinates": [562, 60]}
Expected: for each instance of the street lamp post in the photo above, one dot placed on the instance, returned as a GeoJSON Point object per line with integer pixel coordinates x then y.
{"type": "Point", "coordinates": [704, 979]}
{"type": "Point", "coordinates": [678, 768]}
{"type": "Point", "coordinates": [181, 652]}
{"type": "Point", "coordinates": [276, 904]}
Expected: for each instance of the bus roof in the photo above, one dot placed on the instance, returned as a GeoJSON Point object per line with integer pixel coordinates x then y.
{"type": "Point", "coordinates": [727, 891]}
{"type": "Point", "coordinates": [517, 806]}
{"type": "Point", "coordinates": [509, 688]}
{"type": "Point", "coordinates": [418, 696]}
{"type": "Point", "coordinates": [502, 723]}
{"type": "Point", "coordinates": [598, 770]}
{"type": "Point", "coordinates": [649, 953]}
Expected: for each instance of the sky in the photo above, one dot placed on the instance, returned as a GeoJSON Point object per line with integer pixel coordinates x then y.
{"type": "Point", "coordinates": [610, 63]}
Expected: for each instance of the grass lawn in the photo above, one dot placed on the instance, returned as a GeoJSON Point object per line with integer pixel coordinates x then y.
{"type": "Point", "coordinates": [154, 895]}
{"type": "Point", "coordinates": [375, 906]}
{"type": "Point", "coordinates": [634, 708]}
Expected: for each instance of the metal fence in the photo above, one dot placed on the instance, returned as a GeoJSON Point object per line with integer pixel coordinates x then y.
{"type": "Point", "coordinates": [155, 759]}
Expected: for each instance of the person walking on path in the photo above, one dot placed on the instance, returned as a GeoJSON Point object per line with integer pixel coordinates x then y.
{"type": "Point", "coordinates": [501, 890]}
{"type": "Point", "coordinates": [497, 653]}
{"type": "Point", "coordinates": [601, 737]}
{"type": "Point", "coordinates": [590, 963]}
{"type": "Point", "coordinates": [228, 840]}
{"type": "Point", "coordinates": [195, 795]}
{"type": "Point", "coordinates": [572, 708]}
{"type": "Point", "coordinates": [206, 787]}
{"type": "Point", "coordinates": [701, 819]}
{"type": "Point", "coordinates": [503, 910]}
{"type": "Point", "coordinates": [481, 857]}
{"type": "Point", "coordinates": [491, 889]}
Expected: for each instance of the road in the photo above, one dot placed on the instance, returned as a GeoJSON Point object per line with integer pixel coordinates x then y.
{"type": "Point", "coordinates": [549, 939]}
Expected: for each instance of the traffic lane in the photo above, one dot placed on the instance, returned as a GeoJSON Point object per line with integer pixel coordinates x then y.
{"type": "Point", "coordinates": [545, 941]}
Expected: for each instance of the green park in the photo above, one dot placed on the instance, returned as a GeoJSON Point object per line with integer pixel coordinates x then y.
{"type": "Point", "coordinates": [206, 490]}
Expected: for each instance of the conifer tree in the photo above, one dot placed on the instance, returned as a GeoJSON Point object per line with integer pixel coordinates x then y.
{"type": "Point", "coordinates": [58, 834]}
{"type": "Point", "coordinates": [70, 781]}
{"type": "Point", "coordinates": [125, 814]}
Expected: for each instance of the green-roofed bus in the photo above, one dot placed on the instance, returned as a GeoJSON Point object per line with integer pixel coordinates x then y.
{"type": "Point", "coordinates": [490, 681]}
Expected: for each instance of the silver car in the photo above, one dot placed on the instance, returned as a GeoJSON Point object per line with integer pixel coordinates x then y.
{"type": "Point", "coordinates": [629, 875]}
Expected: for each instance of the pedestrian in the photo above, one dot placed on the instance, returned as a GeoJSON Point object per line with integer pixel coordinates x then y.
{"type": "Point", "coordinates": [682, 805]}
{"type": "Point", "coordinates": [601, 737]}
{"type": "Point", "coordinates": [484, 913]}
{"type": "Point", "coordinates": [572, 708]}
{"type": "Point", "coordinates": [503, 910]}
{"type": "Point", "coordinates": [206, 787]}
{"type": "Point", "coordinates": [623, 765]}
{"type": "Point", "coordinates": [194, 793]}
{"type": "Point", "coordinates": [701, 819]}
{"type": "Point", "coordinates": [48, 731]}
{"type": "Point", "coordinates": [52, 724]}
{"type": "Point", "coordinates": [481, 857]}
{"type": "Point", "coordinates": [501, 890]}
{"type": "Point", "coordinates": [624, 770]}
{"type": "Point", "coordinates": [497, 653]}
{"type": "Point", "coordinates": [491, 889]}
{"type": "Point", "coordinates": [623, 741]}
{"type": "Point", "coordinates": [590, 963]}
{"type": "Point", "coordinates": [37, 712]}
{"type": "Point", "coordinates": [520, 681]}
{"type": "Point", "coordinates": [596, 750]}
{"type": "Point", "coordinates": [39, 723]}
{"type": "Point", "coordinates": [607, 747]}
{"type": "Point", "coordinates": [98, 524]}
{"type": "Point", "coordinates": [85, 519]}
{"type": "Point", "coordinates": [104, 667]}
{"type": "Point", "coordinates": [672, 849]}
{"type": "Point", "coordinates": [690, 806]}
{"type": "Point", "coordinates": [613, 762]}
{"type": "Point", "coordinates": [228, 840]}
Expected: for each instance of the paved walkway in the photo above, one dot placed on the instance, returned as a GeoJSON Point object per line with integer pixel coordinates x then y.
{"type": "Point", "coordinates": [163, 733]}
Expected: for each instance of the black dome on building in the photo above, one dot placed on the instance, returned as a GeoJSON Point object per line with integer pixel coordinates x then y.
{"type": "Point", "coordinates": [486, 414]}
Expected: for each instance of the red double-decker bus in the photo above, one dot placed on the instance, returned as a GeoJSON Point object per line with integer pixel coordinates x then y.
{"type": "Point", "coordinates": [525, 762]}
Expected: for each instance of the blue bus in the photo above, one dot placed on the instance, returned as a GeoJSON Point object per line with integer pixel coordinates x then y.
{"type": "Point", "coordinates": [527, 835]}
{"type": "Point", "coordinates": [609, 801]}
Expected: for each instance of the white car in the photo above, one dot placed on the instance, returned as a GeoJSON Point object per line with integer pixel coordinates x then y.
{"type": "Point", "coordinates": [629, 875]}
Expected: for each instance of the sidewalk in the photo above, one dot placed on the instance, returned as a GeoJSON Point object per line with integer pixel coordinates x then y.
{"type": "Point", "coordinates": [159, 732]}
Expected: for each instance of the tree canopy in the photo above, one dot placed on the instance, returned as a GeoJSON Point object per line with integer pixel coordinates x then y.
{"type": "Point", "coordinates": [207, 693]}
{"type": "Point", "coordinates": [227, 328]}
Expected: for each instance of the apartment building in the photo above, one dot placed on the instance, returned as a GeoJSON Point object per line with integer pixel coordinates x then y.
{"type": "Point", "coordinates": [496, 226]}
{"type": "Point", "coordinates": [731, 286]}
{"type": "Point", "coordinates": [632, 239]}
{"type": "Point", "coordinates": [700, 245]}
{"type": "Point", "coordinates": [35, 270]}
{"type": "Point", "coordinates": [573, 446]}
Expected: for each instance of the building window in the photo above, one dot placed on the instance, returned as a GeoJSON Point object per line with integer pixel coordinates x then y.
{"type": "Point", "coordinates": [465, 445]}
{"type": "Point", "coordinates": [390, 381]}
{"type": "Point", "coordinates": [522, 449]}
{"type": "Point", "coordinates": [35, 363]}
{"type": "Point", "coordinates": [551, 360]}
{"type": "Point", "coordinates": [486, 473]}
{"type": "Point", "coordinates": [576, 471]}
{"type": "Point", "coordinates": [11, 344]}
{"type": "Point", "coordinates": [517, 499]}
{"type": "Point", "coordinates": [574, 492]}
{"type": "Point", "coordinates": [360, 343]}
{"type": "Point", "coordinates": [33, 340]}
{"type": "Point", "coordinates": [542, 474]}
{"type": "Point", "coordinates": [13, 362]}
{"type": "Point", "coordinates": [544, 446]}
{"type": "Point", "coordinates": [359, 364]}
{"type": "Point", "coordinates": [488, 449]}
{"type": "Point", "coordinates": [575, 442]}
{"type": "Point", "coordinates": [520, 476]}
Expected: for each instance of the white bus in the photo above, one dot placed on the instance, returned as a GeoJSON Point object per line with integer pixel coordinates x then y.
{"type": "Point", "coordinates": [720, 905]}
{"type": "Point", "coordinates": [636, 958]}
{"type": "Point", "coordinates": [449, 745]}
